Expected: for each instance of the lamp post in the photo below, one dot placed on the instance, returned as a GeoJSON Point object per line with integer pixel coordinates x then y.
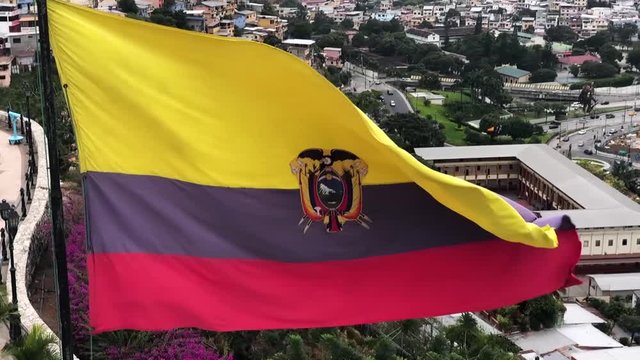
{"type": "Point", "coordinates": [4, 214]}
{"type": "Point", "coordinates": [14, 322]}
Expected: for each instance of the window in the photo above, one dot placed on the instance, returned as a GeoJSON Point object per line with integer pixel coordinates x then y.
{"type": "Point", "coordinates": [2, 77]}
{"type": "Point", "coordinates": [30, 36]}
{"type": "Point", "coordinates": [457, 169]}
{"type": "Point", "coordinates": [585, 243]}
{"type": "Point", "coordinates": [466, 173]}
{"type": "Point", "coordinates": [624, 242]}
{"type": "Point", "coordinates": [610, 242]}
{"type": "Point", "coordinates": [638, 241]}
{"type": "Point", "coordinates": [499, 167]}
{"type": "Point", "coordinates": [510, 166]}
{"type": "Point", "coordinates": [477, 167]}
{"type": "Point", "coordinates": [17, 40]}
{"type": "Point", "coordinates": [597, 243]}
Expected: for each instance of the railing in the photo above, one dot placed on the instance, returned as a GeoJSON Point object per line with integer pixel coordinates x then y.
{"type": "Point", "coordinates": [13, 214]}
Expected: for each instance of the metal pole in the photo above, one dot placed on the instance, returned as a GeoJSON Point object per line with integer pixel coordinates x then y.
{"type": "Point", "coordinates": [14, 323]}
{"type": "Point", "coordinates": [4, 245]}
{"type": "Point", "coordinates": [55, 193]}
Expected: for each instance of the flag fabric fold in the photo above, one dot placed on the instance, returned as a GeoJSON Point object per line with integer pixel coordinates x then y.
{"type": "Point", "coordinates": [229, 186]}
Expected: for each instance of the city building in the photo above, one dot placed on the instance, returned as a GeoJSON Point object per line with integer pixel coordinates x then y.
{"type": "Point", "coordinates": [614, 284]}
{"type": "Point", "coordinates": [567, 61]}
{"type": "Point", "coordinates": [273, 23]}
{"type": "Point", "coordinates": [608, 222]}
{"type": "Point", "coordinates": [332, 56]}
{"type": "Point", "coordinates": [302, 48]}
{"type": "Point", "coordinates": [9, 19]}
{"type": "Point", "coordinates": [513, 75]}
{"type": "Point", "coordinates": [423, 36]}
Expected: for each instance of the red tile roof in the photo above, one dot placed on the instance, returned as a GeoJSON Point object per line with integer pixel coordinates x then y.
{"type": "Point", "coordinates": [578, 59]}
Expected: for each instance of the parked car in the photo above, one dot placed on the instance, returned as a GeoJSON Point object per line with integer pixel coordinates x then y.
{"type": "Point", "coordinates": [566, 139]}
{"type": "Point", "coordinates": [588, 151]}
{"type": "Point", "coordinates": [613, 131]}
{"type": "Point", "coordinates": [604, 103]}
{"type": "Point", "coordinates": [575, 105]}
{"type": "Point", "coordinates": [581, 144]}
{"type": "Point", "coordinates": [636, 109]}
{"type": "Point", "coordinates": [389, 92]}
{"type": "Point", "coordinates": [594, 116]}
{"type": "Point", "coordinates": [378, 82]}
{"type": "Point", "coordinates": [582, 132]}
{"type": "Point", "coordinates": [553, 126]}
{"type": "Point", "coordinates": [609, 116]}
{"type": "Point", "coordinates": [392, 103]}
{"type": "Point", "coordinates": [381, 97]}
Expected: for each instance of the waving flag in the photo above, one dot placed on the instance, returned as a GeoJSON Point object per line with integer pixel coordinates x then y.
{"type": "Point", "coordinates": [230, 186]}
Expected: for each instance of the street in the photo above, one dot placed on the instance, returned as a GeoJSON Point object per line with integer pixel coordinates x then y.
{"type": "Point", "coordinates": [582, 134]}
{"type": "Point", "coordinates": [360, 83]}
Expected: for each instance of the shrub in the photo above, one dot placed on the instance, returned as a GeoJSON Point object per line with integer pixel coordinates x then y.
{"type": "Point", "coordinates": [427, 102]}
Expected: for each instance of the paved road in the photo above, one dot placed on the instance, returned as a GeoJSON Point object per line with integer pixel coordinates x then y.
{"type": "Point", "coordinates": [583, 135]}
{"type": "Point", "coordinates": [401, 103]}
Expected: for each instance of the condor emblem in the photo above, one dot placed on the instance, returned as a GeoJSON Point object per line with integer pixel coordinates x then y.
{"type": "Point", "coordinates": [330, 188]}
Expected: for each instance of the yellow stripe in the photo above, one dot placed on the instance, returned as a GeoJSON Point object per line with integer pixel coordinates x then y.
{"type": "Point", "coordinates": [153, 100]}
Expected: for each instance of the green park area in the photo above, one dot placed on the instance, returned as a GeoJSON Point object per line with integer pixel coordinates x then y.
{"type": "Point", "coordinates": [453, 132]}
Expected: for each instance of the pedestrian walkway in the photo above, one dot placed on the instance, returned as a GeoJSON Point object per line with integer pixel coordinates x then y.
{"type": "Point", "coordinates": [12, 169]}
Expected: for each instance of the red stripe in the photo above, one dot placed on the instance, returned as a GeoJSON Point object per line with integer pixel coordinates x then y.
{"type": "Point", "coordinates": [157, 292]}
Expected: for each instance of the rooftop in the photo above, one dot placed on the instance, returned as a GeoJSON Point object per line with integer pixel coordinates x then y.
{"type": "Point", "coordinates": [303, 42]}
{"type": "Point", "coordinates": [626, 353]}
{"type": "Point", "coordinates": [576, 314]}
{"type": "Point", "coordinates": [512, 71]}
{"type": "Point", "coordinates": [617, 282]}
{"type": "Point", "coordinates": [603, 205]}
{"type": "Point", "coordinates": [578, 59]}
{"type": "Point", "coordinates": [214, 3]}
{"type": "Point", "coordinates": [549, 340]}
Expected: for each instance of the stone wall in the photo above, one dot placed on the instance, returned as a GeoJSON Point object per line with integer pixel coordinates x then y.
{"type": "Point", "coordinates": [22, 243]}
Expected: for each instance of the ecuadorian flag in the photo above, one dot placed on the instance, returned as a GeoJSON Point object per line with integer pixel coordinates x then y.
{"type": "Point", "coordinates": [229, 186]}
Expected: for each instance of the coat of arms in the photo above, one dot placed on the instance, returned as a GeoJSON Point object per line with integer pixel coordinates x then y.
{"type": "Point", "coordinates": [330, 188]}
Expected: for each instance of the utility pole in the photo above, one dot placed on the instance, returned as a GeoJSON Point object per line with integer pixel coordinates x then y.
{"type": "Point", "coordinates": [55, 193]}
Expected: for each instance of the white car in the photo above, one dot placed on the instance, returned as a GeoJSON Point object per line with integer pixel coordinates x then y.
{"type": "Point", "coordinates": [580, 144]}
{"type": "Point", "coordinates": [392, 103]}
{"type": "Point", "coordinates": [575, 105]}
{"type": "Point", "coordinates": [377, 82]}
{"type": "Point", "coordinates": [582, 132]}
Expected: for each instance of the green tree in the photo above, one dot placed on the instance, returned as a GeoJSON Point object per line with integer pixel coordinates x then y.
{"type": "Point", "coordinates": [289, 3]}
{"type": "Point", "coordinates": [478, 29]}
{"type": "Point", "coordinates": [268, 9]}
{"type": "Point", "coordinates": [616, 310]}
{"type": "Point", "coordinates": [127, 6]}
{"type": "Point", "coordinates": [369, 103]}
{"type": "Point", "coordinates": [425, 25]}
{"type": "Point", "coordinates": [575, 69]}
{"type": "Point", "coordinates": [385, 350]}
{"type": "Point", "coordinates": [272, 40]}
{"type": "Point", "coordinates": [543, 75]}
{"type": "Point", "coordinates": [430, 80]}
{"type": "Point", "coordinates": [300, 29]}
{"type": "Point", "coordinates": [322, 23]}
{"type": "Point", "coordinates": [358, 40]}
{"type": "Point", "coordinates": [561, 34]}
{"type": "Point", "coordinates": [295, 348]}
{"type": "Point", "coordinates": [346, 24]}
{"type": "Point", "coordinates": [633, 58]}
{"type": "Point", "coordinates": [544, 312]}
{"type": "Point", "coordinates": [333, 39]}
{"type": "Point", "coordinates": [609, 54]}
{"type": "Point", "coordinates": [339, 349]}
{"type": "Point", "coordinates": [411, 131]}
{"type": "Point", "coordinates": [36, 345]}
{"type": "Point", "coordinates": [631, 323]}
{"type": "Point", "coordinates": [594, 70]}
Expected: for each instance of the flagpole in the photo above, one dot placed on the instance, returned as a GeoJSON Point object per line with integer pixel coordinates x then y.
{"type": "Point", "coordinates": [55, 193]}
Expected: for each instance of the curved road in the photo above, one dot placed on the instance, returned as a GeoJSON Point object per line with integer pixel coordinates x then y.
{"type": "Point", "coordinates": [583, 134]}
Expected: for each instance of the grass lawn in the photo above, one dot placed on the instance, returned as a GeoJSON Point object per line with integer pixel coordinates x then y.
{"type": "Point", "coordinates": [453, 134]}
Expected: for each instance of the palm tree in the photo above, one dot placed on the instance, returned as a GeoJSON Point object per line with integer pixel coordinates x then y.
{"type": "Point", "coordinates": [36, 345]}
{"type": "Point", "coordinates": [7, 309]}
